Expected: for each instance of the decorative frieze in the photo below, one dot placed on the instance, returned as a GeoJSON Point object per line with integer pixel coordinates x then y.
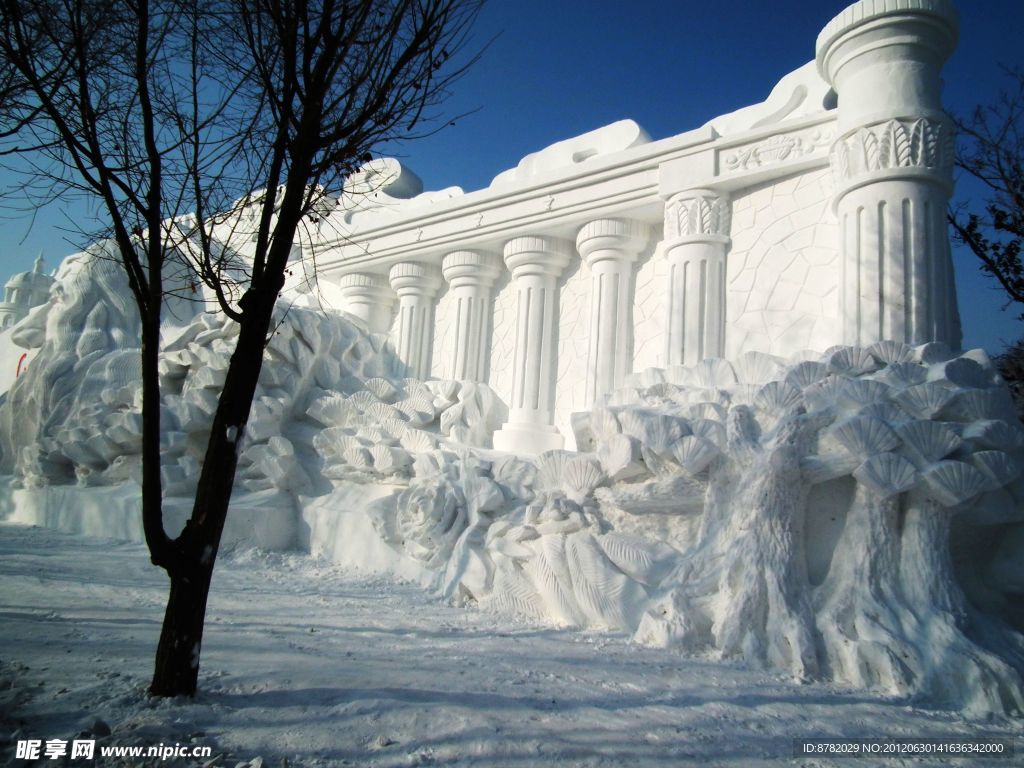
{"type": "Point", "coordinates": [416, 285]}
{"type": "Point", "coordinates": [470, 276]}
{"type": "Point", "coordinates": [610, 247]}
{"type": "Point", "coordinates": [781, 148]}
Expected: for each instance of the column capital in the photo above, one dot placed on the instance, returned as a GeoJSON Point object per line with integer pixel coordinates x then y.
{"type": "Point", "coordinates": [359, 283]}
{"type": "Point", "coordinates": [618, 239]}
{"type": "Point", "coordinates": [697, 214]}
{"type": "Point", "coordinates": [875, 27]}
{"type": "Point", "coordinates": [883, 58]}
{"type": "Point", "coordinates": [920, 149]}
{"type": "Point", "coordinates": [536, 255]}
{"type": "Point", "coordinates": [369, 298]}
{"type": "Point", "coordinates": [412, 277]}
{"type": "Point", "coordinates": [470, 268]}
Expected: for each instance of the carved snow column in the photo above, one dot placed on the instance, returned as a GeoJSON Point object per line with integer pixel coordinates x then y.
{"type": "Point", "coordinates": [416, 285]}
{"type": "Point", "coordinates": [609, 247]}
{"type": "Point", "coordinates": [696, 244]}
{"type": "Point", "coordinates": [892, 164]}
{"type": "Point", "coordinates": [470, 277]}
{"type": "Point", "coordinates": [368, 297]}
{"type": "Point", "coordinates": [536, 263]}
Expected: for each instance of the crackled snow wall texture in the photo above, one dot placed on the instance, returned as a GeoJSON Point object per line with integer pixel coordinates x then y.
{"type": "Point", "coordinates": [783, 268]}
{"type": "Point", "coordinates": [503, 339]}
{"type": "Point", "coordinates": [444, 334]}
{"type": "Point", "coordinates": [649, 309]}
{"type": "Point", "coordinates": [573, 339]}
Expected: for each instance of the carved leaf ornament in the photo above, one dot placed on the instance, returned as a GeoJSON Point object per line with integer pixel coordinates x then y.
{"type": "Point", "coordinates": [895, 144]}
{"type": "Point", "coordinates": [689, 216]}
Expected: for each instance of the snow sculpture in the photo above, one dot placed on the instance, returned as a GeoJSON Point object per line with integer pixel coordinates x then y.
{"type": "Point", "coordinates": [24, 291]}
{"type": "Point", "coordinates": [332, 400]}
{"type": "Point", "coordinates": [832, 518]}
{"type": "Point", "coordinates": [536, 263]}
{"type": "Point", "coordinates": [809, 220]}
{"type": "Point", "coordinates": [565, 154]}
{"type": "Point", "coordinates": [854, 516]}
{"type": "Point", "coordinates": [893, 166]}
{"type": "Point", "coordinates": [85, 373]}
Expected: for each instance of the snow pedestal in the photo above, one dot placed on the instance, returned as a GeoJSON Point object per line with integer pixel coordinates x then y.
{"type": "Point", "coordinates": [536, 264]}
{"type": "Point", "coordinates": [696, 243]}
{"type": "Point", "coordinates": [892, 163]}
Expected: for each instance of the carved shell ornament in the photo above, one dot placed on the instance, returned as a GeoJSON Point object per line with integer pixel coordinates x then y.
{"type": "Point", "coordinates": [886, 474]}
{"type": "Point", "coordinates": [758, 368]}
{"type": "Point", "coordinates": [806, 373]}
{"type": "Point", "coordinates": [928, 441]}
{"type": "Point", "coordinates": [864, 436]}
{"type": "Point", "coordinates": [951, 483]}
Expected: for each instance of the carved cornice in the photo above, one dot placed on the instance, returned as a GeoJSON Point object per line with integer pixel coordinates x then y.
{"type": "Point", "coordinates": [777, 149]}
{"type": "Point", "coordinates": [697, 214]}
{"type": "Point", "coordinates": [920, 145]}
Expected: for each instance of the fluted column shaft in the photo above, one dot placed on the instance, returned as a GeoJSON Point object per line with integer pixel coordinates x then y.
{"type": "Point", "coordinates": [610, 247]}
{"type": "Point", "coordinates": [536, 263]}
{"type": "Point", "coordinates": [470, 277]}
{"type": "Point", "coordinates": [696, 244]}
{"type": "Point", "coordinates": [416, 285]}
{"type": "Point", "coordinates": [892, 165]}
{"type": "Point", "coordinates": [368, 297]}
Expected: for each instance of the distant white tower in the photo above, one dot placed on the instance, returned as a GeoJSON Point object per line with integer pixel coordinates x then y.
{"type": "Point", "coordinates": [23, 292]}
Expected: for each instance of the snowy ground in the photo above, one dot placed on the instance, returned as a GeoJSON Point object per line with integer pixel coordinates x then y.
{"type": "Point", "coordinates": [321, 667]}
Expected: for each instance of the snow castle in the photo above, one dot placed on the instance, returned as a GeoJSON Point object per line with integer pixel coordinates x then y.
{"type": "Point", "coordinates": [706, 390]}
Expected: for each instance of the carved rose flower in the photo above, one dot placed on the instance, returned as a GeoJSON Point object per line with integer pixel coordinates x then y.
{"type": "Point", "coordinates": [429, 521]}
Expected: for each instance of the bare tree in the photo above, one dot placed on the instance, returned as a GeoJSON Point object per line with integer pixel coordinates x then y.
{"type": "Point", "coordinates": [990, 151]}
{"type": "Point", "coordinates": [162, 108]}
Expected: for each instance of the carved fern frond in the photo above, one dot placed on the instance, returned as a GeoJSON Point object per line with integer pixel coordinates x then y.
{"type": "Point", "coordinates": [918, 143]}
{"type": "Point", "coordinates": [899, 145]}
{"type": "Point", "coordinates": [933, 150]}
{"type": "Point", "coordinates": [705, 215]}
{"type": "Point", "coordinates": [869, 142]}
{"type": "Point", "coordinates": [843, 160]}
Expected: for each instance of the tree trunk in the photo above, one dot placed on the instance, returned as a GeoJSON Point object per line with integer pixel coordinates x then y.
{"type": "Point", "coordinates": [152, 492]}
{"type": "Point", "coordinates": [866, 625]}
{"type": "Point", "coordinates": [195, 551]}
{"type": "Point", "coordinates": [176, 670]}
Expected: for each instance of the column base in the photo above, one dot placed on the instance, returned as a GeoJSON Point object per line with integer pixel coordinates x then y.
{"type": "Point", "coordinates": [528, 438]}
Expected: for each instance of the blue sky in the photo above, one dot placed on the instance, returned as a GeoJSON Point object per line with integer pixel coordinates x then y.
{"type": "Point", "coordinates": [558, 68]}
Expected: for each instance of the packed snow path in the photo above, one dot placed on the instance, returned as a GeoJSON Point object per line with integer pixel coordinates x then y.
{"type": "Point", "coordinates": [324, 667]}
